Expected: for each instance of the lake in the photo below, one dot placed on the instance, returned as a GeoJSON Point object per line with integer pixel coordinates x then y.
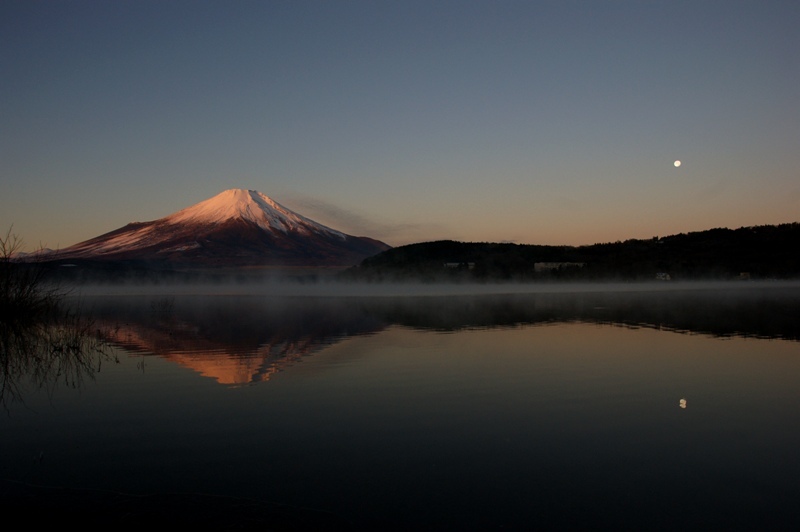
{"type": "Point", "coordinates": [446, 408]}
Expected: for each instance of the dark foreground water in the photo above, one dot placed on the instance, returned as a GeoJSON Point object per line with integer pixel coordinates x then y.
{"type": "Point", "coordinates": [641, 408]}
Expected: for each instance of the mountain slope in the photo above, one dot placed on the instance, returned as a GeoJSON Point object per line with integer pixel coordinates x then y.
{"type": "Point", "coordinates": [234, 228]}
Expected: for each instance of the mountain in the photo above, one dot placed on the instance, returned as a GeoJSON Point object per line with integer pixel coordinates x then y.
{"type": "Point", "coordinates": [234, 228]}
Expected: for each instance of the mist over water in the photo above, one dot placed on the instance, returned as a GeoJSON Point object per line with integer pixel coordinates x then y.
{"type": "Point", "coordinates": [314, 285]}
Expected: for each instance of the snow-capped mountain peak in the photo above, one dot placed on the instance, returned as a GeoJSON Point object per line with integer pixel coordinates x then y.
{"type": "Point", "coordinates": [248, 205]}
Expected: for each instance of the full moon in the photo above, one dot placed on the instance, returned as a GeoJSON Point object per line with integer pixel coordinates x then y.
{"type": "Point", "coordinates": [677, 164]}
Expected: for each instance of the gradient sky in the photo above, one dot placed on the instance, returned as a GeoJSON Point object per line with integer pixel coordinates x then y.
{"type": "Point", "coordinates": [540, 122]}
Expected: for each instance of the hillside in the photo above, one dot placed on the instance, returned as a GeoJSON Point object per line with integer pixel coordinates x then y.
{"type": "Point", "coordinates": [759, 252]}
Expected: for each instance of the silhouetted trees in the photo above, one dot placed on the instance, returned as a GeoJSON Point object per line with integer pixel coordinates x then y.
{"type": "Point", "coordinates": [769, 251]}
{"type": "Point", "coordinates": [24, 292]}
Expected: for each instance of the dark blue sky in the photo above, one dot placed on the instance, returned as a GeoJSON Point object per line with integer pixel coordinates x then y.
{"type": "Point", "coordinates": [535, 122]}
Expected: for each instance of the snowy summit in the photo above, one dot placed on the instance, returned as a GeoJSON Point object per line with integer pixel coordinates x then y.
{"type": "Point", "coordinates": [249, 205]}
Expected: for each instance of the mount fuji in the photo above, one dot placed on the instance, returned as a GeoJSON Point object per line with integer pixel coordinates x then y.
{"type": "Point", "coordinates": [234, 228]}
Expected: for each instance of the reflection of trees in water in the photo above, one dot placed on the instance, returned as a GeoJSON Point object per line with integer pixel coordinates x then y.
{"type": "Point", "coordinates": [241, 339]}
{"type": "Point", "coordinates": [760, 314]}
{"type": "Point", "coordinates": [46, 353]}
{"type": "Point", "coordinates": [243, 324]}
{"type": "Point", "coordinates": [767, 313]}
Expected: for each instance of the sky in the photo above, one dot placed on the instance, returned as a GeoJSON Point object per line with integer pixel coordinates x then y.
{"type": "Point", "coordinates": [535, 122]}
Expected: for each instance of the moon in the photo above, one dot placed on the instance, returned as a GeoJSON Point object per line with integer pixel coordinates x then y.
{"type": "Point", "coordinates": [677, 164]}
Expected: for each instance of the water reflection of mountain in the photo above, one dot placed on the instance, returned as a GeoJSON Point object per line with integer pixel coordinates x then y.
{"type": "Point", "coordinates": [235, 340]}
{"type": "Point", "coordinates": [241, 339]}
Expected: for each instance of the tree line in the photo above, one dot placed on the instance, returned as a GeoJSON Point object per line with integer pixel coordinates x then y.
{"type": "Point", "coordinates": [757, 252]}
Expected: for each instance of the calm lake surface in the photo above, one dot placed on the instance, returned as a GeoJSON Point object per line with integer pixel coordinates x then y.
{"type": "Point", "coordinates": [635, 406]}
